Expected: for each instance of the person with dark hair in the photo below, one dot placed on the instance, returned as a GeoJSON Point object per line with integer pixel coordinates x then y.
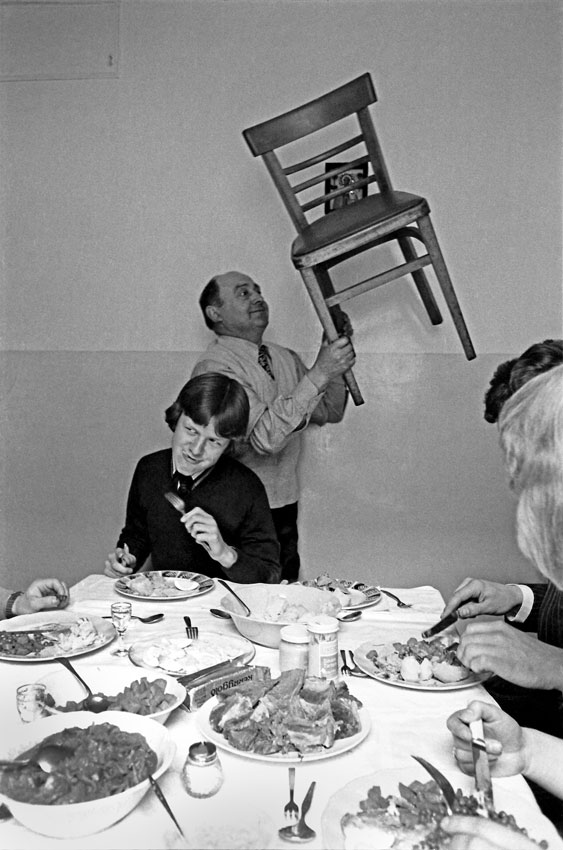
{"type": "Point", "coordinates": [513, 374]}
{"type": "Point", "coordinates": [525, 649]}
{"type": "Point", "coordinates": [285, 397]}
{"type": "Point", "coordinates": [226, 529]}
{"type": "Point", "coordinates": [531, 437]}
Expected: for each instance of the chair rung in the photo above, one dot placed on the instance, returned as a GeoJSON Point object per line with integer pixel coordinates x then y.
{"type": "Point", "coordinates": [378, 280]}
{"type": "Point", "coordinates": [320, 157]}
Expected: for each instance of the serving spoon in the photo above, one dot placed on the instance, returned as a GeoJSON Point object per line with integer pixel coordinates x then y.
{"type": "Point", "coordinates": [247, 611]}
{"type": "Point", "coordinates": [47, 757]}
{"type": "Point", "coordinates": [93, 702]}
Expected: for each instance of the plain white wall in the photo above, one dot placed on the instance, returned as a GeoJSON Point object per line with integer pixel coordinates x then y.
{"type": "Point", "coordinates": [121, 197]}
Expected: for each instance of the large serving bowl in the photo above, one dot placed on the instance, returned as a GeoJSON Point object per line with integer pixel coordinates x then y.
{"type": "Point", "coordinates": [295, 603]}
{"type": "Point", "coordinates": [71, 820]}
{"type": "Point", "coordinates": [109, 679]}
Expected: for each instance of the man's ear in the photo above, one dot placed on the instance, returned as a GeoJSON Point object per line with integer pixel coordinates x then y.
{"type": "Point", "coordinates": [212, 313]}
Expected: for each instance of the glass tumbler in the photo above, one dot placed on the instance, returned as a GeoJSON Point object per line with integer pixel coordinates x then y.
{"type": "Point", "coordinates": [120, 617]}
{"type": "Point", "coordinates": [30, 702]}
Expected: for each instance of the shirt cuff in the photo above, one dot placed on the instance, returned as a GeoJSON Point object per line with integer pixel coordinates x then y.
{"type": "Point", "coordinates": [522, 614]}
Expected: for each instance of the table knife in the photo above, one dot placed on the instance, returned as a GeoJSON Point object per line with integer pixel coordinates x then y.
{"type": "Point", "coordinates": [441, 625]}
{"type": "Point", "coordinates": [444, 784]}
{"type": "Point", "coordinates": [189, 678]}
{"type": "Point", "coordinates": [483, 783]}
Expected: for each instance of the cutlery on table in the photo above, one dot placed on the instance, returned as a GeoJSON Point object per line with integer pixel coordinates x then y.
{"type": "Point", "coordinates": [356, 671]}
{"type": "Point", "coordinates": [158, 792]}
{"type": "Point", "coordinates": [345, 669]}
{"type": "Point", "coordinates": [291, 809]}
{"type": "Point", "coordinates": [483, 783]}
{"type": "Point", "coordinates": [444, 784]}
{"type": "Point", "coordinates": [191, 631]}
{"type": "Point", "coordinates": [220, 613]}
{"type": "Point", "coordinates": [92, 702]}
{"type": "Point", "coordinates": [348, 616]}
{"type": "Point", "coordinates": [300, 831]}
{"type": "Point", "coordinates": [190, 678]}
{"type": "Point", "coordinates": [400, 603]}
{"type": "Point", "coordinates": [154, 618]}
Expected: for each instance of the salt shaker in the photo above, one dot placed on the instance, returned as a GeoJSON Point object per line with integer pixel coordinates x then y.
{"type": "Point", "coordinates": [294, 647]}
{"type": "Point", "coordinates": [202, 774]}
{"type": "Point", "coordinates": [30, 702]}
{"type": "Point", "coordinates": [323, 647]}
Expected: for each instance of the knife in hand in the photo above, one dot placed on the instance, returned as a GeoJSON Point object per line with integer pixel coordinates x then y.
{"type": "Point", "coordinates": [445, 622]}
{"type": "Point", "coordinates": [483, 783]}
{"type": "Point", "coordinates": [443, 784]}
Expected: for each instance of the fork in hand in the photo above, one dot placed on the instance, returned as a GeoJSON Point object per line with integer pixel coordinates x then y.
{"type": "Point", "coordinates": [291, 809]}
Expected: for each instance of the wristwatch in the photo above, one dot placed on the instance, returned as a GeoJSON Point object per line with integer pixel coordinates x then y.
{"type": "Point", "coordinates": [9, 612]}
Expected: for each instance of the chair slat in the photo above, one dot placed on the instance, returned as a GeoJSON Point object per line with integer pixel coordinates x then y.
{"type": "Point", "coordinates": [321, 157]}
{"type": "Point", "coordinates": [312, 116]}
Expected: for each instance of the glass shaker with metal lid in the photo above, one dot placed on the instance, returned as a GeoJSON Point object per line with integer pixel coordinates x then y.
{"type": "Point", "coordinates": [202, 774]}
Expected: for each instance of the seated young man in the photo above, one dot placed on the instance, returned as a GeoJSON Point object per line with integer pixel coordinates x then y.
{"type": "Point", "coordinates": [226, 529]}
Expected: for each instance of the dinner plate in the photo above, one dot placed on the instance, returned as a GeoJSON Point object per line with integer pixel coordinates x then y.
{"type": "Point", "coordinates": [343, 745]}
{"type": "Point", "coordinates": [367, 666]}
{"type": "Point", "coordinates": [159, 578]}
{"type": "Point", "coordinates": [365, 595]}
{"type": "Point", "coordinates": [372, 595]}
{"type": "Point", "coordinates": [189, 656]}
{"type": "Point", "coordinates": [347, 800]}
{"type": "Point", "coordinates": [35, 622]}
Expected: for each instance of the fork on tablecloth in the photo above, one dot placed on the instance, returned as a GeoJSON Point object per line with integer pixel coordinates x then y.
{"type": "Point", "coordinates": [291, 809]}
{"type": "Point", "coordinates": [191, 631]}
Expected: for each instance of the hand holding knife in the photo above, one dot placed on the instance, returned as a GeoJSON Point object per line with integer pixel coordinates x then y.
{"type": "Point", "coordinates": [483, 783]}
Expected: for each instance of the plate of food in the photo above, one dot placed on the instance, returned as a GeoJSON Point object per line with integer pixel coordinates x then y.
{"type": "Point", "coordinates": [164, 585]}
{"type": "Point", "coordinates": [427, 665]}
{"type": "Point", "coordinates": [351, 594]}
{"type": "Point", "coordinates": [290, 719]}
{"type": "Point", "coordinates": [180, 656]}
{"type": "Point", "coordinates": [51, 634]}
{"type": "Point", "coordinates": [384, 810]}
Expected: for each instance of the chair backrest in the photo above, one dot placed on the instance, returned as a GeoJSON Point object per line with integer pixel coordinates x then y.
{"type": "Point", "coordinates": [327, 185]}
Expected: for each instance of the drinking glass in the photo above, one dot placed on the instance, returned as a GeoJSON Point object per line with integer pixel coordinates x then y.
{"type": "Point", "coordinates": [120, 617]}
{"type": "Point", "coordinates": [30, 701]}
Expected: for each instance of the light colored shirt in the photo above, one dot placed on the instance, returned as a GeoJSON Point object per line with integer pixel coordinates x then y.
{"type": "Point", "coordinates": [527, 604]}
{"type": "Point", "coordinates": [280, 409]}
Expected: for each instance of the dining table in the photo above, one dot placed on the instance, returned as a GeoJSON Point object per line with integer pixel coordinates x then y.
{"type": "Point", "coordinates": [404, 722]}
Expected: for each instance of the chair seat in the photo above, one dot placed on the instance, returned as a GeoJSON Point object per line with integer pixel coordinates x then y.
{"type": "Point", "coordinates": [370, 217]}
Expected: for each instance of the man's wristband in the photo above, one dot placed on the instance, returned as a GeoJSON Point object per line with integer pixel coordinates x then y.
{"type": "Point", "coordinates": [9, 612]}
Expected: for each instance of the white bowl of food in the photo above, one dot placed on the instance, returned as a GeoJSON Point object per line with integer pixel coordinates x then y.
{"type": "Point", "coordinates": [273, 606]}
{"type": "Point", "coordinates": [147, 693]}
{"type": "Point", "coordinates": [116, 747]}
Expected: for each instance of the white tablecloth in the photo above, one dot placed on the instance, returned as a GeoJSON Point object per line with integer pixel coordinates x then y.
{"type": "Point", "coordinates": [404, 722]}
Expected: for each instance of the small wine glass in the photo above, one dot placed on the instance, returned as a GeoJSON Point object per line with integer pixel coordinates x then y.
{"type": "Point", "coordinates": [120, 617]}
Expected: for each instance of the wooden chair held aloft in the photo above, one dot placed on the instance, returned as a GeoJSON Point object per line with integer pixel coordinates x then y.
{"type": "Point", "coordinates": [359, 207]}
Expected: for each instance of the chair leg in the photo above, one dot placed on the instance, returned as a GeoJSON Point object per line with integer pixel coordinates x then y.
{"type": "Point", "coordinates": [421, 282]}
{"type": "Point", "coordinates": [427, 230]}
{"type": "Point", "coordinates": [313, 286]}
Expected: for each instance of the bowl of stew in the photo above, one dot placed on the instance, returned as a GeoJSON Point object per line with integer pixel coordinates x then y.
{"type": "Point", "coordinates": [102, 782]}
{"type": "Point", "coordinates": [144, 692]}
